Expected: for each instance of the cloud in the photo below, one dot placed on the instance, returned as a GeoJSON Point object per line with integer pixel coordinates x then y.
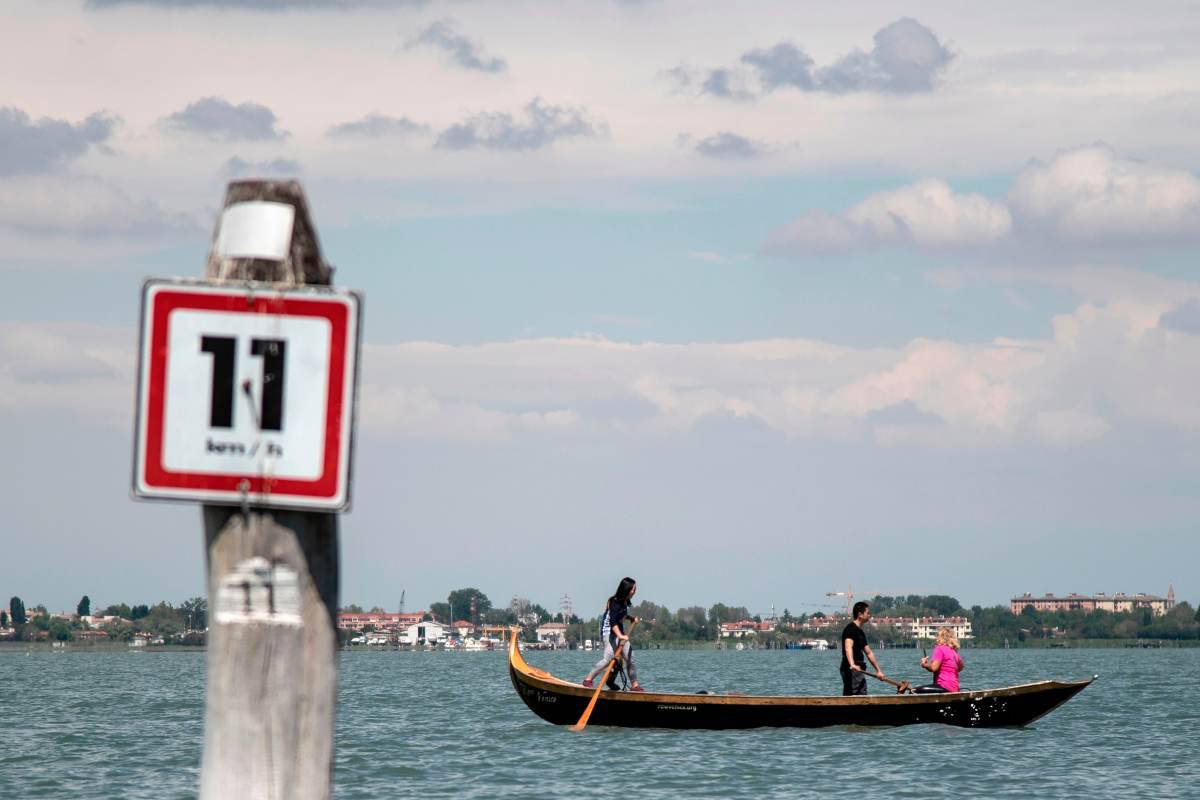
{"type": "Point", "coordinates": [1088, 377]}
{"type": "Point", "coordinates": [55, 206]}
{"type": "Point", "coordinates": [1185, 317]}
{"type": "Point", "coordinates": [462, 51]}
{"type": "Point", "coordinates": [217, 118]}
{"type": "Point", "coordinates": [1085, 380]}
{"type": "Point", "coordinates": [545, 124]}
{"type": "Point", "coordinates": [1089, 194]}
{"type": "Point", "coordinates": [783, 65]}
{"type": "Point", "coordinates": [377, 126]}
{"type": "Point", "coordinates": [727, 84]}
{"type": "Point", "coordinates": [236, 167]}
{"type": "Point", "coordinates": [1084, 195]}
{"type": "Point", "coordinates": [927, 214]}
{"type": "Point", "coordinates": [28, 147]}
{"type": "Point", "coordinates": [84, 370]}
{"type": "Point", "coordinates": [726, 145]}
{"type": "Point", "coordinates": [907, 58]}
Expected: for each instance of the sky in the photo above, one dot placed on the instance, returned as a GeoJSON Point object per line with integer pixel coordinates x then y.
{"type": "Point", "coordinates": [751, 301]}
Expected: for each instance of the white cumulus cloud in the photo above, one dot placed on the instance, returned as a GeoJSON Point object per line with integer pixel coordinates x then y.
{"type": "Point", "coordinates": [1104, 367]}
{"type": "Point", "coordinates": [927, 214]}
{"type": "Point", "coordinates": [1089, 193]}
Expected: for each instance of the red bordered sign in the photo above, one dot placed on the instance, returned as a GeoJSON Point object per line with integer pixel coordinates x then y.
{"type": "Point", "coordinates": [246, 394]}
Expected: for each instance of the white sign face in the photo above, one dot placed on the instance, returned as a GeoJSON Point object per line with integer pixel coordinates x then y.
{"type": "Point", "coordinates": [246, 395]}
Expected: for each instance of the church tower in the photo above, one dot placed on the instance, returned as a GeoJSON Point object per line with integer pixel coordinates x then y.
{"type": "Point", "coordinates": [1170, 596]}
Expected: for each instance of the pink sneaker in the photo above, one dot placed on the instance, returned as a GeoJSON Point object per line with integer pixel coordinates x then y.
{"type": "Point", "coordinates": [587, 683]}
{"type": "Point", "coordinates": [637, 688]}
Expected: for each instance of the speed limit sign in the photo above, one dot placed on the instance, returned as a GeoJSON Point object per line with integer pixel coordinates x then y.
{"type": "Point", "coordinates": [246, 393]}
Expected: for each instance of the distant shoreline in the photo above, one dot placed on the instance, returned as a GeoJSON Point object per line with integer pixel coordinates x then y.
{"type": "Point", "coordinates": [1039, 644]}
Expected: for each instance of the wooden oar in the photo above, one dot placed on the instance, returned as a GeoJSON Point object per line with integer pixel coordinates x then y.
{"type": "Point", "coordinates": [901, 686]}
{"type": "Point", "coordinates": [587, 712]}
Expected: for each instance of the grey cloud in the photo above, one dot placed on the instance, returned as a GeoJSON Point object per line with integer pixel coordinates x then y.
{"type": "Point", "coordinates": [464, 52]}
{"type": "Point", "coordinates": [217, 118]}
{"type": "Point", "coordinates": [1184, 318]}
{"type": "Point", "coordinates": [724, 83]}
{"type": "Point", "coordinates": [28, 147]}
{"type": "Point", "coordinates": [907, 58]}
{"type": "Point", "coordinates": [236, 167]}
{"type": "Point", "coordinates": [53, 206]}
{"type": "Point", "coordinates": [377, 126]}
{"type": "Point", "coordinates": [728, 145]}
{"type": "Point", "coordinates": [500, 131]}
{"type": "Point", "coordinates": [728, 84]}
{"type": "Point", "coordinates": [783, 65]}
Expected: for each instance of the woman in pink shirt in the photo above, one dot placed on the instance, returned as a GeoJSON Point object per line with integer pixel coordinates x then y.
{"type": "Point", "coordinates": [945, 663]}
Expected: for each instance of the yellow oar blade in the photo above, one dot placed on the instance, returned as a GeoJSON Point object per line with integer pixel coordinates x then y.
{"type": "Point", "coordinates": [587, 712]}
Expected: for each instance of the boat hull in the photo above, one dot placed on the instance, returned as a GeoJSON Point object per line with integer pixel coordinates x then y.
{"type": "Point", "coordinates": [562, 703]}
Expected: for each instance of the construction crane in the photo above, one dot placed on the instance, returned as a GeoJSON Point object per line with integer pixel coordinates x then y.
{"type": "Point", "coordinates": [850, 594]}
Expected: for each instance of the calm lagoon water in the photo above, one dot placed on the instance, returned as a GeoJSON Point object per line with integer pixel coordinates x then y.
{"type": "Point", "coordinates": [84, 724]}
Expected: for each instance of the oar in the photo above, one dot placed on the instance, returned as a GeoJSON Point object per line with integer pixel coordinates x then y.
{"type": "Point", "coordinates": [587, 712]}
{"type": "Point", "coordinates": [901, 686]}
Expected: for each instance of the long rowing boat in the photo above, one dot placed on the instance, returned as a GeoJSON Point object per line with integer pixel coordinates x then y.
{"type": "Point", "coordinates": [561, 702]}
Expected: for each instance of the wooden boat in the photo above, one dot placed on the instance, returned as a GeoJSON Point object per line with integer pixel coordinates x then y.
{"type": "Point", "coordinates": [561, 702]}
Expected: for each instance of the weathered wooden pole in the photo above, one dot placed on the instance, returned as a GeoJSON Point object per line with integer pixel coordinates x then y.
{"type": "Point", "coordinates": [273, 591]}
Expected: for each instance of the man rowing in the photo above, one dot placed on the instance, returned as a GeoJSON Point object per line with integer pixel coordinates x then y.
{"type": "Point", "coordinates": [854, 648]}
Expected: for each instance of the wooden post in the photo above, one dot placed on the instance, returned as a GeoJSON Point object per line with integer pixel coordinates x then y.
{"type": "Point", "coordinates": [272, 678]}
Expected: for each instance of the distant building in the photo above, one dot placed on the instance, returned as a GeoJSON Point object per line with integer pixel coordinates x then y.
{"type": "Point", "coordinates": [745, 627]}
{"type": "Point", "coordinates": [380, 621]}
{"type": "Point", "coordinates": [554, 633]}
{"type": "Point", "coordinates": [928, 627]}
{"type": "Point", "coordinates": [825, 623]}
{"type": "Point", "coordinates": [1096, 602]}
{"type": "Point", "coordinates": [428, 632]}
{"type": "Point", "coordinates": [925, 627]}
{"type": "Point", "coordinates": [462, 628]}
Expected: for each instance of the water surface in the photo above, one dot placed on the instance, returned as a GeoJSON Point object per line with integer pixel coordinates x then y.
{"type": "Point", "coordinates": [86, 724]}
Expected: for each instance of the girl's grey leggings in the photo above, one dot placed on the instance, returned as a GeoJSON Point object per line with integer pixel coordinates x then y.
{"type": "Point", "coordinates": [626, 662]}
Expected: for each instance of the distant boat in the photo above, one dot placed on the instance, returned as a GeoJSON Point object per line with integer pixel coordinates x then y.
{"type": "Point", "coordinates": [562, 702]}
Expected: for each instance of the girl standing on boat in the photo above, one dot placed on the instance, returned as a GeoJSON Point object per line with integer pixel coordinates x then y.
{"type": "Point", "coordinates": [613, 632]}
{"type": "Point", "coordinates": [945, 663]}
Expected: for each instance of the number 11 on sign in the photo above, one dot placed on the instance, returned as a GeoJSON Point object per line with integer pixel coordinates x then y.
{"type": "Point", "coordinates": [223, 350]}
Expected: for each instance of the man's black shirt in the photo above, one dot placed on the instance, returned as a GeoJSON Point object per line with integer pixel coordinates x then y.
{"type": "Point", "coordinates": [854, 632]}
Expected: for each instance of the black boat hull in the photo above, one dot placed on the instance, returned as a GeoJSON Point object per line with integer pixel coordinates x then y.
{"type": "Point", "coordinates": [562, 703]}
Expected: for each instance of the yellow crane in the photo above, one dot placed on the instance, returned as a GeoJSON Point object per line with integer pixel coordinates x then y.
{"type": "Point", "coordinates": [850, 594]}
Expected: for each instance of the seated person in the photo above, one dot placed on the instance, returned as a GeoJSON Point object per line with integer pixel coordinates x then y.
{"type": "Point", "coordinates": [945, 663]}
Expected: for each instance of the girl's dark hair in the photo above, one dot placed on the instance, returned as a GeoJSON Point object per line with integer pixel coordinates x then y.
{"type": "Point", "coordinates": [623, 589]}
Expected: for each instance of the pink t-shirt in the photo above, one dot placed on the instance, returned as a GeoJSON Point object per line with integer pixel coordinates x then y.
{"type": "Point", "coordinates": [947, 674]}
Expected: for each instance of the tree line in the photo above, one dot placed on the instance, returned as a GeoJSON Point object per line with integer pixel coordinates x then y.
{"type": "Point", "coordinates": [181, 624]}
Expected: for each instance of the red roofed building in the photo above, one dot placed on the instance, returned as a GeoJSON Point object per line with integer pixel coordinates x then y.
{"type": "Point", "coordinates": [380, 621]}
{"type": "Point", "coordinates": [745, 627]}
